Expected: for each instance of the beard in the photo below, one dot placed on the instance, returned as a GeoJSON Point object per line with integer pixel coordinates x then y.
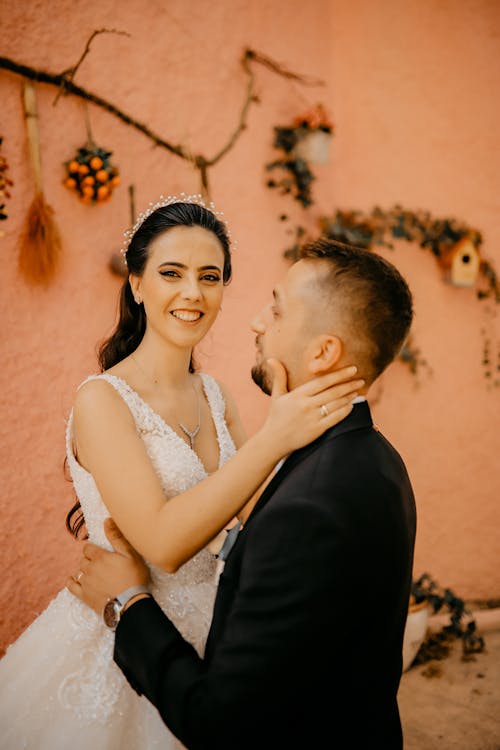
{"type": "Point", "coordinates": [262, 378]}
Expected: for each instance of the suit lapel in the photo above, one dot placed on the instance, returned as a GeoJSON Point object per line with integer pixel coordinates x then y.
{"type": "Point", "coordinates": [359, 418]}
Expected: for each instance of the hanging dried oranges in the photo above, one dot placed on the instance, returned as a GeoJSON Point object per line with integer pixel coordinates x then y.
{"type": "Point", "coordinates": [91, 175]}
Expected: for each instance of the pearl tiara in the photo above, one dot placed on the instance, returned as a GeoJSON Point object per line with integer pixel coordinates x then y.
{"type": "Point", "coordinates": [168, 200]}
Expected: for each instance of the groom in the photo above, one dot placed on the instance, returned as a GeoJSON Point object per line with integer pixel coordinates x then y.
{"type": "Point", "coordinates": [304, 649]}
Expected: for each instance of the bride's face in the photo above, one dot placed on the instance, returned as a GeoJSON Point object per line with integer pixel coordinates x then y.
{"type": "Point", "coordinates": [182, 284]}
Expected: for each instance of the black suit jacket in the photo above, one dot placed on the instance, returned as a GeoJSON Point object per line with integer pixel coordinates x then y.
{"type": "Point", "coordinates": [305, 645]}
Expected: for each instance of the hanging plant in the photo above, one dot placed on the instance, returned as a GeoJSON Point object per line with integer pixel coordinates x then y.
{"type": "Point", "coordinates": [5, 184]}
{"type": "Point", "coordinates": [305, 142]}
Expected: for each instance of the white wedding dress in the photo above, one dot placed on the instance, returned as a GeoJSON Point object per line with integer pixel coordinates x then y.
{"type": "Point", "coordinates": [59, 686]}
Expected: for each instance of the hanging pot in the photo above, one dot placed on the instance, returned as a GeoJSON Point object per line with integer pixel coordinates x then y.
{"type": "Point", "coordinates": [415, 630]}
{"type": "Point", "coordinates": [314, 147]}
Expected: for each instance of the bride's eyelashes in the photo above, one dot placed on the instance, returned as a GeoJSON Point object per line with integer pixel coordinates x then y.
{"type": "Point", "coordinates": [210, 278]}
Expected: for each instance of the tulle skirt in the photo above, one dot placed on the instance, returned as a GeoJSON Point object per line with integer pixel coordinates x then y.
{"type": "Point", "coordinates": [61, 690]}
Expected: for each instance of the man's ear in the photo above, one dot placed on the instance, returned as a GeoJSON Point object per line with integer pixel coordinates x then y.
{"type": "Point", "coordinates": [325, 352]}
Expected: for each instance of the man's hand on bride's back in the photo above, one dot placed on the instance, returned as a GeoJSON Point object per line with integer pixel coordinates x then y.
{"type": "Point", "coordinates": [104, 574]}
{"type": "Point", "coordinates": [298, 417]}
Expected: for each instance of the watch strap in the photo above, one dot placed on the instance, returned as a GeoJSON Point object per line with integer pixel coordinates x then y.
{"type": "Point", "coordinates": [126, 596]}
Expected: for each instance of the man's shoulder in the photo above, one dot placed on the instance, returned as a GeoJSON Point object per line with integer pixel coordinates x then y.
{"type": "Point", "coordinates": [350, 457]}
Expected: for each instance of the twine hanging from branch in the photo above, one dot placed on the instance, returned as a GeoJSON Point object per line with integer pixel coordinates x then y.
{"type": "Point", "coordinates": [91, 144]}
{"type": "Point", "coordinates": [39, 244]}
{"type": "Point", "coordinates": [117, 261]}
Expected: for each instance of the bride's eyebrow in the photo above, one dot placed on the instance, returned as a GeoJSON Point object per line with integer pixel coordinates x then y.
{"type": "Point", "coordinates": [209, 268]}
{"type": "Point", "coordinates": [176, 264]}
{"type": "Point", "coordinates": [171, 263]}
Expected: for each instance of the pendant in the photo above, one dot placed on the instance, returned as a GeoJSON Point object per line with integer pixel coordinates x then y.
{"type": "Point", "coordinates": [189, 434]}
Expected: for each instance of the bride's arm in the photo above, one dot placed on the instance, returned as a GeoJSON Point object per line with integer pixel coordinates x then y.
{"type": "Point", "coordinates": [170, 533]}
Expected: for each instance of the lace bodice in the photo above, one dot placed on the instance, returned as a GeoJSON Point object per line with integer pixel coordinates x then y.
{"type": "Point", "coordinates": [186, 596]}
{"type": "Point", "coordinates": [176, 464]}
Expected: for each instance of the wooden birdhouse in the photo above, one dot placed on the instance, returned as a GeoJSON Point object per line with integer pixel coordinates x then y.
{"type": "Point", "coordinates": [461, 262]}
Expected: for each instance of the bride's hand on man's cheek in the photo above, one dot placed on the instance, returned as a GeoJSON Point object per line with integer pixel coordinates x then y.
{"type": "Point", "coordinates": [299, 416]}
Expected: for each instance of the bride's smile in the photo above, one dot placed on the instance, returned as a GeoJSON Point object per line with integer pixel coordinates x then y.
{"type": "Point", "coordinates": [188, 316]}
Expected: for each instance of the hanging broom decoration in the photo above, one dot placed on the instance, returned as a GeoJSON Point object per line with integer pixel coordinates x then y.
{"type": "Point", "coordinates": [40, 243]}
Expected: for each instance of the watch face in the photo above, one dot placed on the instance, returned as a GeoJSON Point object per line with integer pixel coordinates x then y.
{"type": "Point", "coordinates": [111, 613]}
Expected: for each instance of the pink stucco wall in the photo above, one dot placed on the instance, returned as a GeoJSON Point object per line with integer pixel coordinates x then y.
{"type": "Point", "coordinates": [413, 89]}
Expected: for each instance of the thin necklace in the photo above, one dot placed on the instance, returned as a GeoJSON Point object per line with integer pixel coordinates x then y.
{"type": "Point", "coordinates": [190, 434]}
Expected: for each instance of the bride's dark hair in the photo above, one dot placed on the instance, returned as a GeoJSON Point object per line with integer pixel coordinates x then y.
{"type": "Point", "coordinates": [131, 325]}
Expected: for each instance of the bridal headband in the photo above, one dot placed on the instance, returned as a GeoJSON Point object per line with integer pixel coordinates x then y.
{"type": "Point", "coordinates": [168, 200]}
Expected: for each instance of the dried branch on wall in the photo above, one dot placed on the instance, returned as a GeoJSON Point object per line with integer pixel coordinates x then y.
{"type": "Point", "coordinates": [70, 73]}
{"type": "Point", "coordinates": [281, 70]}
{"type": "Point", "coordinates": [60, 80]}
{"type": "Point", "coordinates": [66, 85]}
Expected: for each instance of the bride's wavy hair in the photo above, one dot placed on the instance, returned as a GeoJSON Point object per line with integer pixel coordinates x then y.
{"type": "Point", "coordinates": [131, 326]}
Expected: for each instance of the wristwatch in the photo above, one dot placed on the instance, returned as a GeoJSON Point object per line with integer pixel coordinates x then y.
{"type": "Point", "coordinates": [114, 607]}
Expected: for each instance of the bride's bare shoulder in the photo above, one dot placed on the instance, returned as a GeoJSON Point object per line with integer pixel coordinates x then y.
{"type": "Point", "coordinates": [99, 398]}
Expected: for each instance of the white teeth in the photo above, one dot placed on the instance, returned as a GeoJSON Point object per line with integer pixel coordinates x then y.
{"type": "Point", "coordinates": [187, 315]}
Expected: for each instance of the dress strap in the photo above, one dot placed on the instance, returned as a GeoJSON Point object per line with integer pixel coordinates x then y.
{"type": "Point", "coordinates": [217, 405]}
{"type": "Point", "coordinates": [214, 396]}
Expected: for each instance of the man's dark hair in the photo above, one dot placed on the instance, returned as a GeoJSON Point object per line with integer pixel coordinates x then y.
{"type": "Point", "coordinates": [373, 293]}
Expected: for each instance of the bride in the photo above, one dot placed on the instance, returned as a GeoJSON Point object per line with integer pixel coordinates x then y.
{"type": "Point", "coordinates": [147, 430]}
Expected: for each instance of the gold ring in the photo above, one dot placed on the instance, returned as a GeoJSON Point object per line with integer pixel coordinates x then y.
{"type": "Point", "coordinates": [323, 411]}
{"type": "Point", "coordinates": [79, 576]}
